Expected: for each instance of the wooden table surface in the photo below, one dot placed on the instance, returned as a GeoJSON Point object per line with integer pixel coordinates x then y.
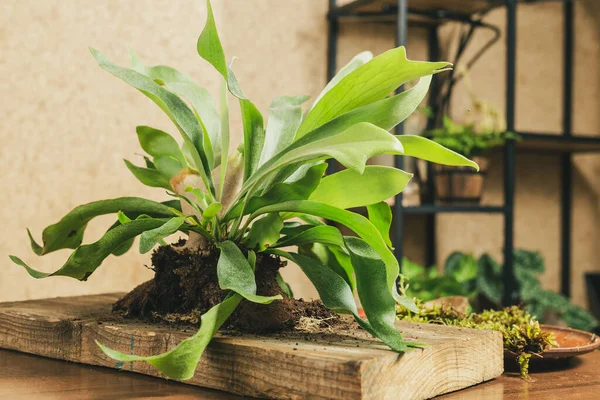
{"type": "Point", "coordinates": [23, 376]}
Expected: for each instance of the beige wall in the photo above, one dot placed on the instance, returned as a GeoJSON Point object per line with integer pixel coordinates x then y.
{"type": "Point", "coordinates": [66, 124]}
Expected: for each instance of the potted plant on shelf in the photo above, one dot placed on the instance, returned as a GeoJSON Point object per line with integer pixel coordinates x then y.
{"type": "Point", "coordinates": [483, 131]}
{"type": "Point", "coordinates": [240, 209]}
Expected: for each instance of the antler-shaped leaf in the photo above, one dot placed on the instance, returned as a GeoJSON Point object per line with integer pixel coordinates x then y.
{"type": "Point", "coordinates": [380, 215]}
{"type": "Point", "coordinates": [68, 232]}
{"type": "Point", "coordinates": [210, 48]}
{"type": "Point", "coordinates": [181, 362]}
{"type": "Point", "coordinates": [367, 84]}
{"type": "Point", "coordinates": [379, 304]}
{"type": "Point", "coordinates": [85, 259]}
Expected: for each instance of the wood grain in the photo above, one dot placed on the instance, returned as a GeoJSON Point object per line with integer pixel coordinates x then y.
{"type": "Point", "coordinates": [349, 366]}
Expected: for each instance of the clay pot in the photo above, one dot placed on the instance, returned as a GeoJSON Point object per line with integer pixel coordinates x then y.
{"type": "Point", "coordinates": [460, 185]}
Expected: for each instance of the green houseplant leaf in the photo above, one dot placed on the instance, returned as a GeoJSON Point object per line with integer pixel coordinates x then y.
{"type": "Point", "coordinates": [199, 98]}
{"type": "Point", "coordinates": [325, 234]}
{"type": "Point", "coordinates": [380, 215]}
{"type": "Point", "coordinates": [183, 118]}
{"type": "Point", "coordinates": [168, 166]}
{"type": "Point", "coordinates": [224, 137]}
{"type": "Point", "coordinates": [371, 82]}
{"type": "Point", "coordinates": [280, 192]}
{"type": "Point", "coordinates": [285, 116]}
{"type": "Point", "coordinates": [337, 295]}
{"type": "Point", "coordinates": [158, 143]}
{"type": "Point", "coordinates": [373, 291]}
{"type": "Point", "coordinates": [333, 290]}
{"type": "Point", "coordinates": [150, 238]}
{"type": "Point", "coordinates": [385, 114]}
{"type": "Point", "coordinates": [149, 177]}
{"type": "Point", "coordinates": [285, 288]}
{"type": "Point", "coordinates": [333, 257]}
{"type": "Point", "coordinates": [462, 267]}
{"type": "Point", "coordinates": [254, 136]}
{"type": "Point", "coordinates": [181, 362]}
{"type": "Point", "coordinates": [359, 224]}
{"type": "Point", "coordinates": [264, 232]}
{"type": "Point", "coordinates": [352, 148]}
{"type": "Point", "coordinates": [349, 188]}
{"type": "Point", "coordinates": [357, 61]}
{"type": "Point", "coordinates": [85, 259]}
{"type": "Point", "coordinates": [425, 149]}
{"type": "Point", "coordinates": [209, 45]}
{"type": "Point", "coordinates": [68, 232]}
{"type": "Point", "coordinates": [488, 279]}
{"type": "Point", "coordinates": [235, 273]}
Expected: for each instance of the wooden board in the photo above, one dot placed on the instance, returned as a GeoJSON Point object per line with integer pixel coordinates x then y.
{"type": "Point", "coordinates": [333, 367]}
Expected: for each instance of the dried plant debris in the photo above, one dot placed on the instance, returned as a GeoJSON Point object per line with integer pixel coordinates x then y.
{"type": "Point", "coordinates": [521, 332]}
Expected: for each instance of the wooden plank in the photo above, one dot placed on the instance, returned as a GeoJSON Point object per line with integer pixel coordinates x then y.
{"type": "Point", "coordinates": [353, 366]}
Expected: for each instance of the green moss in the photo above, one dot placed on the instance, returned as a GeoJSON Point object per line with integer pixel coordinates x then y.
{"type": "Point", "coordinates": [521, 332]}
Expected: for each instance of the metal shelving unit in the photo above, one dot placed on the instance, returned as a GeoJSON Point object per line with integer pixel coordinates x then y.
{"type": "Point", "coordinates": [430, 14]}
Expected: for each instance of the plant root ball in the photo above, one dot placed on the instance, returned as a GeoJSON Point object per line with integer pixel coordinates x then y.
{"type": "Point", "coordinates": [185, 286]}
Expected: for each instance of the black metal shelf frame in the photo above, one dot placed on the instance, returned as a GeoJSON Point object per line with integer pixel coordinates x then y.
{"type": "Point", "coordinates": [426, 209]}
{"type": "Point", "coordinates": [400, 11]}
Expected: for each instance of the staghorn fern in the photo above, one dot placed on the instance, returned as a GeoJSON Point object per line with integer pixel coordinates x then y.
{"type": "Point", "coordinates": [245, 200]}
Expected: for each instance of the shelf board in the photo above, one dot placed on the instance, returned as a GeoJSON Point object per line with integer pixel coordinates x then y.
{"type": "Point", "coordinates": [425, 209]}
{"type": "Point", "coordinates": [549, 143]}
{"type": "Point", "coordinates": [429, 11]}
{"type": "Point", "coordinates": [436, 209]}
{"type": "Point", "coordinates": [465, 7]}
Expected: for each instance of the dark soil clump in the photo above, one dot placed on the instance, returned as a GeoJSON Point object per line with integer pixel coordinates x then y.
{"type": "Point", "coordinates": [185, 286]}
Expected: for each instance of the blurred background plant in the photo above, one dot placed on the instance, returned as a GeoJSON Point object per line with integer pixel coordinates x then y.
{"type": "Point", "coordinates": [480, 280]}
{"type": "Point", "coordinates": [483, 129]}
{"type": "Point", "coordinates": [468, 139]}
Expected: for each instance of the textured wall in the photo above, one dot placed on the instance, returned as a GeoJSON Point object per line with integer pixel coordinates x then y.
{"type": "Point", "coordinates": [66, 124]}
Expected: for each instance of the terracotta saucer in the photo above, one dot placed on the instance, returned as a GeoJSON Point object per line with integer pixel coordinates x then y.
{"type": "Point", "coordinates": [571, 343]}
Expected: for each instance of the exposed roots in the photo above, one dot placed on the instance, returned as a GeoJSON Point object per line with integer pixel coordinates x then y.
{"type": "Point", "coordinates": [316, 325]}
